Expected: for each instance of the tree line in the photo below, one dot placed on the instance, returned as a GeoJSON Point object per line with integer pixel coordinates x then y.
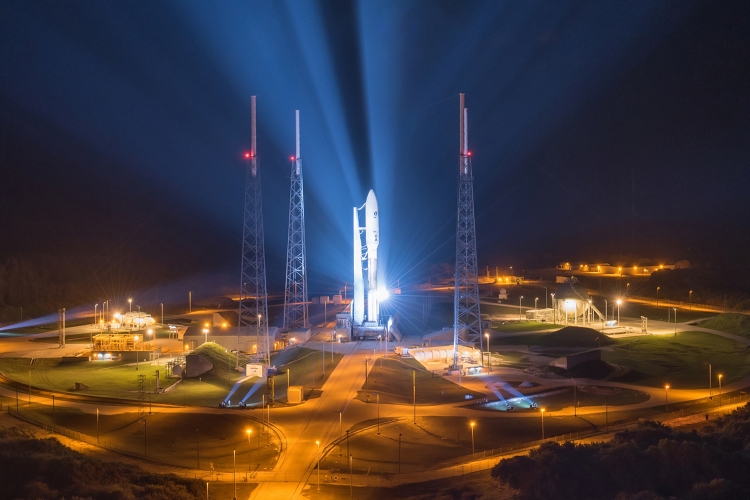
{"type": "Point", "coordinates": [650, 462]}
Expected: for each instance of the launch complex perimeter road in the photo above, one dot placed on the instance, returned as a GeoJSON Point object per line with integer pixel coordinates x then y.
{"type": "Point", "coordinates": [327, 417]}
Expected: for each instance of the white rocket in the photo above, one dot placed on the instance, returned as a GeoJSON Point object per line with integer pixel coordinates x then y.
{"type": "Point", "coordinates": [372, 241]}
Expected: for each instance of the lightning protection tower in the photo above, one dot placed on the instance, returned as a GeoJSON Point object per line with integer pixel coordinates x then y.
{"type": "Point", "coordinates": [295, 291]}
{"type": "Point", "coordinates": [467, 326]}
{"type": "Point", "coordinates": [253, 313]}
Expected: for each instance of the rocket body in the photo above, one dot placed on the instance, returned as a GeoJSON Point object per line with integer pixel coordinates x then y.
{"type": "Point", "coordinates": [372, 237]}
{"type": "Point", "coordinates": [358, 302]}
{"type": "Point", "coordinates": [371, 230]}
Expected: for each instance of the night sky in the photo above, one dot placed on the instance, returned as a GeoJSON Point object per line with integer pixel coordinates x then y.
{"type": "Point", "coordinates": [609, 131]}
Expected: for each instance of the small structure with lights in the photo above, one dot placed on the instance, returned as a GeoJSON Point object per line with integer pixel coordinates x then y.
{"type": "Point", "coordinates": [123, 347]}
{"type": "Point", "coordinates": [573, 305]}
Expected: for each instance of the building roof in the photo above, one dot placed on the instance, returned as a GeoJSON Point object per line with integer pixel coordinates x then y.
{"type": "Point", "coordinates": [571, 289]}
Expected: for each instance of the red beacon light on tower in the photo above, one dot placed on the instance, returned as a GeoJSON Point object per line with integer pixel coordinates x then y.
{"type": "Point", "coordinates": [247, 156]}
{"type": "Point", "coordinates": [292, 158]}
{"type": "Point", "coordinates": [469, 153]}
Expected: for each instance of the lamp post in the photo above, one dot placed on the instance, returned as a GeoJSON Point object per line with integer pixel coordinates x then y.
{"type": "Point", "coordinates": [205, 332]}
{"type": "Point", "coordinates": [318, 443]}
{"type": "Point", "coordinates": [377, 396]}
{"type": "Point", "coordinates": [519, 306]}
{"type": "Point", "coordinates": [720, 375]}
{"type": "Point", "coordinates": [130, 303]}
{"type": "Point", "coordinates": [691, 300]}
{"type": "Point", "coordinates": [535, 302]}
{"type": "Point", "coordinates": [234, 472]}
{"type": "Point", "coordinates": [399, 453]}
{"type": "Point", "coordinates": [542, 412]}
{"type": "Point", "coordinates": [472, 437]}
{"type": "Point", "coordinates": [97, 305]}
{"type": "Point", "coordinates": [489, 354]}
{"type": "Point", "coordinates": [657, 295]}
{"type": "Point", "coordinates": [675, 321]}
{"type": "Point", "coordinates": [248, 432]}
{"type": "Point", "coordinates": [97, 426]}
{"type": "Point", "coordinates": [162, 313]}
{"type": "Point", "coordinates": [606, 310]}
{"type": "Point", "coordinates": [666, 398]}
{"type": "Point", "coordinates": [619, 301]}
{"type": "Point", "coordinates": [554, 310]}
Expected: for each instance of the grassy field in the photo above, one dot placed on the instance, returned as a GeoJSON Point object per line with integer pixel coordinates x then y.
{"type": "Point", "coordinates": [737, 324]}
{"type": "Point", "coordinates": [180, 439]}
{"type": "Point", "coordinates": [117, 379]}
{"type": "Point", "coordinates": [656, 360]}
{"type": "Point", "coordinates": [586, 395]}
{"type": "Point", "coordinates": [392, 379]}
{"type": "Point", "coordinates": [570, 336]}
{"type": "Point", "coordinates": [521, 326]}
{"type": "Point", "coordinates": [437, 441]}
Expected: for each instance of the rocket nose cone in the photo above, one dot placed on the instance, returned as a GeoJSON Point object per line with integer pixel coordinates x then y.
{"type": "Point", "coordinates": [372, 200]}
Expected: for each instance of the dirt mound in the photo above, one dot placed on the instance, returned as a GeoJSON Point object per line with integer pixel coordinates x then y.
{"type": "Point", "coordinates": [576, 336]}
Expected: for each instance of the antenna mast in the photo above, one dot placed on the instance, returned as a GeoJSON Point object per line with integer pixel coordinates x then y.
{"type": "Point", "coordinates": [295, 291]}
{"type": "Point", "coordinates": [467, 327]}
{"type": "Point", "coordinates": [253, 313]}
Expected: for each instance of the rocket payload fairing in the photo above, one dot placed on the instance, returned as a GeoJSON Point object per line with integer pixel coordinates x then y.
{"type": "Point", "coordinates": [372, 241]}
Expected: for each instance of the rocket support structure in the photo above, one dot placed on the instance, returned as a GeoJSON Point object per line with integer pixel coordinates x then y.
{"type": "Point", "coordinates": [467, 325]}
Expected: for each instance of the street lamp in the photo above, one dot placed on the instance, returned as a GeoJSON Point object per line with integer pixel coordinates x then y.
{"type": "Point", "coordinates": [248, 432]}
{"type": "Point", "coordinates": [619, 301]}
{"type": "Point", "coordinates": [205, 332]}
{"type": "Point", "coordinates": [691, 299]}
{"type": "Point", "coordinates": [97, 305]}
{"type": "Point", "coordinates": [489, 354]}
{"type": "Point", "coordinates": [657, 294]}
{"type": "Point", "coordinates": [519, 306]}
{"type": "Point", "coordinates": [472, 437]}
{"type": "Point", "coordinates": [675, 321]}
{"type": "Point", "coordinates": [535, 301]}
{"type": "Point", "coordinates": [720, 375]}
{"type": "Point", "coordinates": [542, 411]}
{"type": "Point", "coordinates": [666, 399]}
{"type": "Point", "coordinates": [318, 443]}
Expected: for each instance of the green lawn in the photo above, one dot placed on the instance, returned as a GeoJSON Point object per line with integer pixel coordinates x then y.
{"type": "Point", "coordinates": [180, 439]}
{"type": "Point", "coordinates": [116, 379]}
{"type": "Point", "coordinates": [521, 326]}
{"type": "Point", "coordinates": [392, 379]}
{"type": "Point", "coordinates": [438, 441]}
{"type": "Point", "coordinates": [656, 360]}
{"type": "Point", "coordinates": [737, 324]}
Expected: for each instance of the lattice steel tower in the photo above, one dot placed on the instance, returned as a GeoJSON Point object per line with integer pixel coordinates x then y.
{"type": "Point", "coordinates": [467, 327]}
{"type": "Point", "coordinates": [253, 313]}
{"type": "Point", "coordinates": [295, 291]}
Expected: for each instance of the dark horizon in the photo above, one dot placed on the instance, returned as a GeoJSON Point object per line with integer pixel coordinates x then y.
{"type": "Point", "coordinates": [598, 132]}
